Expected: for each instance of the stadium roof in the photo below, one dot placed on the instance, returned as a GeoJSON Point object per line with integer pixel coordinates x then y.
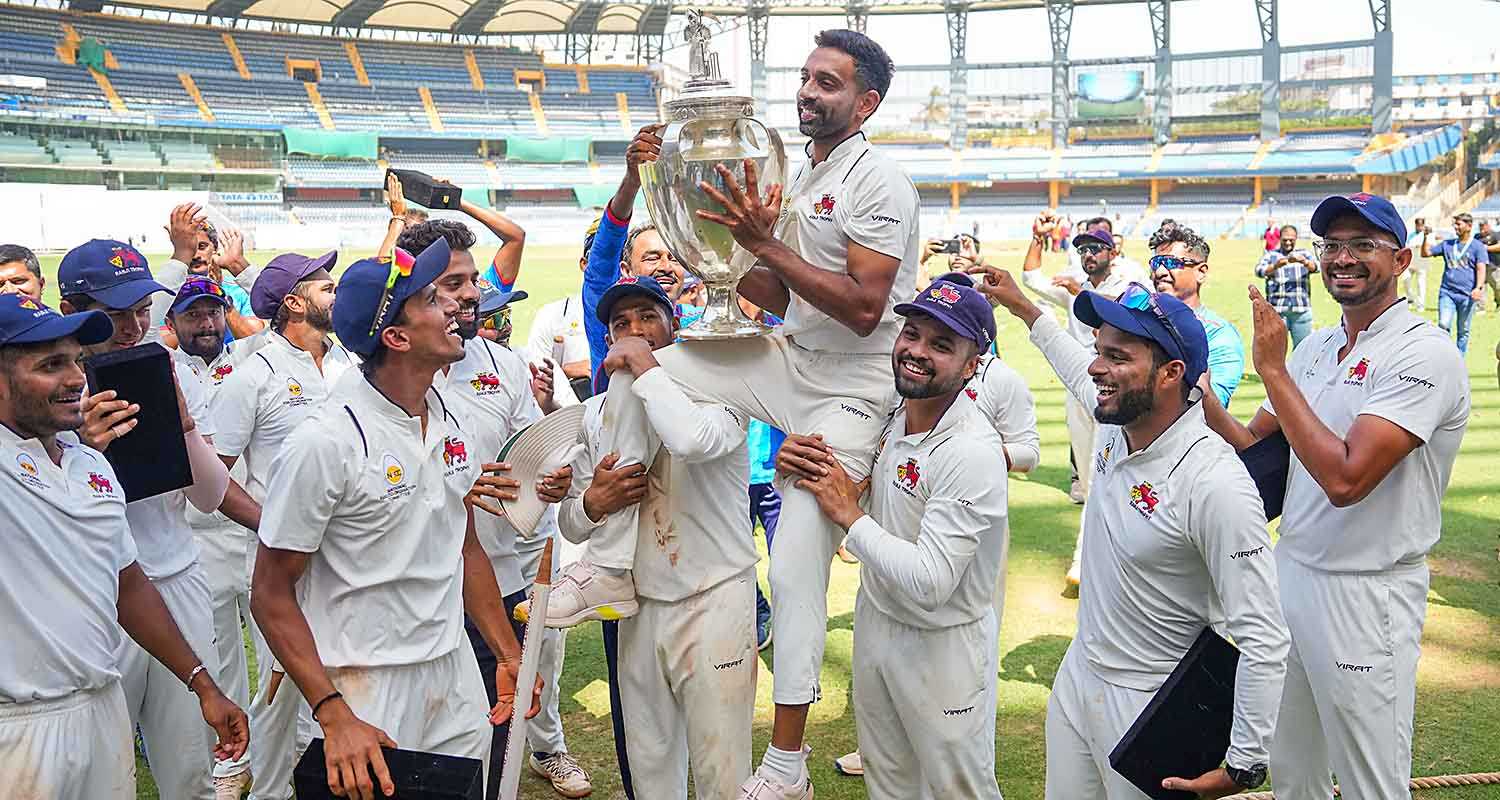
{"type": "Point", "coordinates": [545, 17]}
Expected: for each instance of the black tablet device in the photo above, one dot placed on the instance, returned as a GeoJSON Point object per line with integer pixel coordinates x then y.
{"type": "Point", "coordinates": [1184, 731]}
{"type": "Point", "coordinates": [152, 458]}
{"type": "Point", "coordinates": [417, 775]}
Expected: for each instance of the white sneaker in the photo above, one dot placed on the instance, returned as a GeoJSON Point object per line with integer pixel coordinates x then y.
{"type": "Point", "coordinates": [583, 593]}
{"type": "Point", "coordinates": [231, 787]}
{"type": "Point", "coordinates": [852, 765]}
{"type": "Point", "coordinates": [760, 787]}
{"type": "Point", "coordinates": [568, 779]}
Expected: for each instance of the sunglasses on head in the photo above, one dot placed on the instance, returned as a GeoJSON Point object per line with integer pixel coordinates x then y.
{"type": "Point", "coordinates": [401, 263]}
{"type": "Point", "coordinates": [497, 320]}
{"type": "Point", "coordinates": [204, 285]}
{"type": "Point", "coordinates": [1139, 298]}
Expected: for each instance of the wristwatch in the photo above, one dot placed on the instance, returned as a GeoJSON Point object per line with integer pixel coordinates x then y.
{"type": "Point", "coordinates": [1250, 778]}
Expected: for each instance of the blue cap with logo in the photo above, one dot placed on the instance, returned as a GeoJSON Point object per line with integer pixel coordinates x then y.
{"type": "Point", "coordinates": [198, 287]}
{"type": "Point", "coordinates": [1156, 316]}
{"type": "Point", "coordinates": [959, 306]}
{"type": "Point", "coordinates": [110, 272]}
{"type": "Point", "coordinates": [1375, 210]}
{"type": "Point", "coordinates": [24, 320]}
{"type": "Point", "coordinates": [491, 299]}
{"type": "Point", "coordinates": [631, 285]}
{"type": "Point", "coordinates": [371, 291]}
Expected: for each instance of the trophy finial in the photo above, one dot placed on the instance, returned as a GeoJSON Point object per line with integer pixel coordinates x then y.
{"type": "Point", "coordinates": [703, 63]}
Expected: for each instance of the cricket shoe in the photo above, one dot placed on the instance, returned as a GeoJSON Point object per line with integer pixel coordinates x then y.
{"type": "Point", "coordinates": [583, 592]}
{"type": "Point", "coordinates": [759, 787]}
{"type": "Point", "coordinates": [231, 787]}
{"type": "Point", "coordinates": [568, 779]}
{"type": "Point", "coordinates": [852, 765]}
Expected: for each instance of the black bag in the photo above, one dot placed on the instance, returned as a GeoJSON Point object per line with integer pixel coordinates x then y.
{"type": "Point", "coordinates": [417, 775]}
{"type": "Point", "coordinates": [424, 190]}
{"type": "Point", "coordinates": [152, 459]}
{"type": "Point", "coordinates": [1269, 462]}
{"type": "Point", "coordinates": [1184, 731]}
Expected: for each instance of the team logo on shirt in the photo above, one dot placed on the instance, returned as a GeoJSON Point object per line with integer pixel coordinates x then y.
{"type": "Point", "coordinates": [221, 372]}
{"type": "Point", "coordinates": [394, 473]}
{"type": "Point", "coordinates": [1143, 498]}
{"type": "Point", "coordinates": [823, 209]}
{"type": "Point", "coordinates": [293, 387]}
{"type": "Point", "coordinates": [100, 484]}
{"type": "Point", "coordinates": [972, 393]}
{"type": "Point", "coordinates": [1102, 459]}
{"type": "Point", "coordinates": [485, 383]}
{"type": "Point", "coordinates": [1358, 373]}
{"type": "Point", "coordinates": [454, 451]}
{"type": "Point", "coordinates": [29, 474]}
{"type": "Point", "coordinates": [909, 473]}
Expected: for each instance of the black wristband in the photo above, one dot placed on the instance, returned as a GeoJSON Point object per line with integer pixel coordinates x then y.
{"type": "Point", "coordinates": [331, 695]}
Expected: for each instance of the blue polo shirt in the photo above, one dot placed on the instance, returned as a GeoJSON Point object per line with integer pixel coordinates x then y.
{"type": "Point", "coordinates": [1226, 354]}
{"type": "Point", "coordinates": [1460, 272]}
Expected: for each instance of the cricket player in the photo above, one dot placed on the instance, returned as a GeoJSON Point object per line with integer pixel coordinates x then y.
{"type": "Point", "coordinates": [1374, 409]}
{"type": "Point", "coordinates": [931, 552]}
{"type": "Point", "coordinates": [832, 261]}
{"type": "Point", "coordinates": [255, 409]}
{"type": "Point", "coordinates": [687, 661]}
{"type": "Point", "coordinates": [490, 391]}
{"type": "Point", "coordinates": [1174, 541]}
{"type": "Point", "coordinates": [368, 557]}
{"type": "Point", "coordinates": [196, 324]}
{"type": "Point", "coordinates": [71, 582]}
{"type": "Point", "coordinates": [1096, 248]}
{"type": "Point", "coordinates": [114, 277]}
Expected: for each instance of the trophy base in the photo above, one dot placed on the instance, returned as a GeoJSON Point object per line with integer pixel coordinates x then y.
{"type": "Point", "coordinates": [722, 318]}
{"type": "Point", "coordinates": [699, 332]}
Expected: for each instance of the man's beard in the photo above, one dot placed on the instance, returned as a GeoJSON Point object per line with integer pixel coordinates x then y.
{"type": "Point", "coordinates": [205, 347]}
{"type": "Point", "coordinates": [933, 386]}
{"type": "Point", "coordinates": [1133, 404]}
{"type": "Point", "coordinates": [1099, 267]}
{"type": "Point", "coordinates": [1373, 289]}
{"type": "Point", "coordinates": [40, 416]}
{"type": "Point", "coordinates": [822, 125]}
{"type": "Point", "coordinates": [319, 318]}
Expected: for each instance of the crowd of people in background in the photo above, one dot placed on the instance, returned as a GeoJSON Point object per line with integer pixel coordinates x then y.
{"type": "Point", "coordinates": [345, 510]}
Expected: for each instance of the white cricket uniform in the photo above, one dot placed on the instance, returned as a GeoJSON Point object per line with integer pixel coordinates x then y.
{"type": "Point", "coordinates": [169, 717]}
{"type": "Point", "coordinates": [1125, 266]}
{"type": "Point", "coordinates": [559, 318]}
{"type": "Point", "coordinates": [811, 375]}
{"type": "Point", "coordinates": [490, 391]}
{"type": "Point", "coordinates": [224, 552]}
{"type": "Point", "coordinates": [1415, 279]}
{"type": "Point", "coordinates": [1174, 541]}
{"type": "Point", "coordinates": [1354, 579]}
{"type": "Point", "coordinates": [65, 732]}
{"type": "Point", "coordinates": [379, 506]}
{"type": "Point", "coordinates": [257, 407]}
{"type": "Point", "coordinates": [931, 553]}
{"type": "Point", "coordinates": [687, 660]}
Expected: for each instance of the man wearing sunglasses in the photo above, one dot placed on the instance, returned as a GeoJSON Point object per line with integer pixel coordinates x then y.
{"type": "Point", "coordinates": [1179, 268]}
{"type": "Point", "coordinates": [1175, 539]}
{"type": "Point", "coordinates": [1374, 409]}
{"type": "Point", "coordinates": [1465, 260]}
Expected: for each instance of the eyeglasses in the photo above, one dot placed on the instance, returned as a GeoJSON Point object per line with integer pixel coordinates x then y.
{"type": "Point", "coordinates": [497, 320]}
{"type": "Point", "coordinates": [1171, 263]}
{"type": "Point", "coordinates": [1091, 249]}
{"type": "Point", "coordinates": [401, 263]}
{"type": "Point", "coordinates": [1362, 248]}
{"type": "Point", "coordinates": [1139, 298]}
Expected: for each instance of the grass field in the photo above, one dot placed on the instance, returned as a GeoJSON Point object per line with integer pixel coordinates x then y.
{"type": "Point", "coordinates": [1458, 703]}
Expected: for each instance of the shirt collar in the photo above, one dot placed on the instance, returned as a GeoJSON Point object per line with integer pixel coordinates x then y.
{"type": "Point", "coordinates": [1398, 312]}
{"type": "Point", "coordinates": [1186, 428]}
{"type": "Point", "coordinates": [951, 419]}
{"type": "Point", "coordinates": [853, 145]}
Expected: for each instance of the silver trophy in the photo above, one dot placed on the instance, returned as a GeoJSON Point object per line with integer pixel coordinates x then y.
{"type": "Point", "coordinates": [709, 125]}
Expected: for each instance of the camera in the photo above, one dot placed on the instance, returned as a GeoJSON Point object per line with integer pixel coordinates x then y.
{"type": "Point", "coordinates": [950, 246]}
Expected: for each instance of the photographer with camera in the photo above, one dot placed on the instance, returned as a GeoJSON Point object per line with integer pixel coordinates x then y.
{"type": "Point", "coordinates": [962, 251]}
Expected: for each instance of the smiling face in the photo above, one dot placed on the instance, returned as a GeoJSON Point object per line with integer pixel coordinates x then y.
{"type": "Point", "coordinates": [1463, 227]}
{"type": "Point", "coordinates": [1352, 281]}
{"type": "Point", "coordinates": [1095, 257]}
{"type": "Point", "coordinates": [426, 329]}
{"type": "Point", "coordinates": [16, 278]}
{"type": "Point", "coordinates": [830, 103]}
{"type": "Point", "coordinates": [1129, 373]}
{"type": "Point", "coordinates": [649, 256]}
{"type": "Point", "coordinates": [1184, 283]}
{"type": "Point", "coordinates": [639, 315]}
{"type": "Point", "coordinates": [930, 360]}
{"type": "Point", "coordinates": [130, 324]}
{"type": "Point", "coordinates": [200, 328]}
{"type": "Point", "coordinates": [203, 252]}
{"type": "Point", "coordinates": [41, 387]}
{"type": "Point", "coordinates": [460, 283]}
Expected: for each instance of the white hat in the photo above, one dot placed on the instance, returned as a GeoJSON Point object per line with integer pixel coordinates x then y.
{"type": "Point", "coordinates": [544, 446]}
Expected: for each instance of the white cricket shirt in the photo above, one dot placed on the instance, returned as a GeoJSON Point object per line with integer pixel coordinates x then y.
{"type": "Point", "coordinates": [212, 374]}
{"type": "Point", "coordinates": [1174, 539]}
{"type": "Point", "coordinates": [705, 536]}
{"type": "Point", "coordinates": [1114, 284]}
{"type": "Point", "coordinates": [163, 539]}
{"type": "Point", "coordinates": [1003, 398]}
{"type": "Point", "coordinates": [1403, 369]}
{"type": "Point", "coordinates": [66, 541]}
{"type": "Point", "coordinates": [380, 508]}
{"type": "Point", "coordinates": [858, 194]}
{"type": "Point", "coordinates": [266, 397]}
{"type": "Point", "coordinates": [489, 392]}
{"type": "Point", "coordinates": [559, 318]}
{"type": "Point", "coordinates": [930, 548]}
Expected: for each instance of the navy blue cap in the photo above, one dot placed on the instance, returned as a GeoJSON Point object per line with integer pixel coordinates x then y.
{"type": "Point", "coordinates": [195, 288]}
{"type": "Point", "coordinates": [24, 320]}
{"type": "Point", "coordinates": [1100, 235]}
{"type": "Point", "coordinates": [1095, 310]}
{"type": "Point", "coordinates": [962, 308]}
{"type": "Point", "coordinates": [1375, 209]}
{"type": "Point", "coordinates": [629, 285]}
{"type": "Point", "coordinates": [360, 308]}
{"type": "Point", "coordinates": [960, 278]}
{"type": "Point", "coordinates": [491, 299]}
{"type": "Point", "coordinates": [110, 272]}
{"type": "Point", "coordinates": [280, 277]}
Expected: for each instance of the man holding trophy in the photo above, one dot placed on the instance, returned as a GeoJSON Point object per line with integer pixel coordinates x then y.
{"type": "Point", "coordinates": [831, 255]}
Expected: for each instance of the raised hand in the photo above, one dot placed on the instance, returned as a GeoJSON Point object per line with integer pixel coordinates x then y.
{"type": "Point", "coordinates": [1269, 340]}
{"type": "Point", "coordinates": [395, 199]}
{"type": "Point", "coordinates": [750, 218]}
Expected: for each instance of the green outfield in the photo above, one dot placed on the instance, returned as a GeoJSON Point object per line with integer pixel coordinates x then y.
{"type": "Point", "coordinates": [1458, 704]}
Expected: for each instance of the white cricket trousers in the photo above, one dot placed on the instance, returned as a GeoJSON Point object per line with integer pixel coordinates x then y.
{"type": "Point", "coordinates": [845, 397]}
{"type": "Point", "coordinates": [280, 730]}
{"type": "Point", "coordinates": [1351, 681]}
{"type": "Point", "coordinates": [179, 744]}
{"type": "Point", "coordinates": [1416, 279]}
{"type": "Point", "coordinates": [687, 691]}
{"type": "Point", "coordinates": [227, 553]}
{"type": "Point", "coordinates": [1081, 430]}
{"type": "Point", "coordinates": [1086, 717]}
{"type": "Point", "coordinates": [924, 707]}
{"type": "Point", "coordinates": [77, 747]}
{"type": "Point", "coordinates": [436, 706]}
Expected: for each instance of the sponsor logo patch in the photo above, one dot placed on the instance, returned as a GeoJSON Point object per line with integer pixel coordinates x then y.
{"type": "Point", "coordinates": [1355, 667]}
{"type": "Point", "coordinates": [1248, 553]}
{"type": "Point", "coordinates": [824, 206]}
{"type": "Point", "coordinates": [909, 473]}
{"type": "Point", "coordinates": [454, 451]}
{"type": "Point", "coordinates": [1101, 460]}
{"type": "Point", "coordinates": [955, 712]}
{"type": "Point", "coordinates": [1358, 373]}
{"type": "Point", "coordinates": [730, 664]}
{"type": "Point", "coordinates": [485, 383]}
{"type": "Point", "coordinates": [100, 484]}
{"type": "Point", "coordinates": [221, 372]}
{"type": "Point", "coordinates": [1143, 498]}
{"type": "Point", "coordinates": [1416, 380]}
